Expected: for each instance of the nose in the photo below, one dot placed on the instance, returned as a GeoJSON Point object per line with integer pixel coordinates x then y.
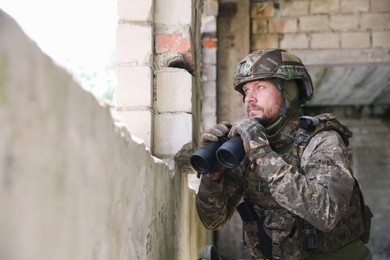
{"type": "Point", "coordinates": [250, 97]}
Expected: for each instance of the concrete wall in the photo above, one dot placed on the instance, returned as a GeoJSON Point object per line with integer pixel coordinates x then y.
{"type": "Point", "coordinates": [370, 150]}
{"type": "Point", "coordinates": [74, 183]}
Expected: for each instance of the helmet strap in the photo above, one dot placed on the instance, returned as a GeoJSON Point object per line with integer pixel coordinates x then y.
{"type": "Point", "coordinates": [283, 111]}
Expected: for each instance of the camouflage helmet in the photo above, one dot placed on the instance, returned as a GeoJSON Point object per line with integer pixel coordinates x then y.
{"type": "Point", "coordinates": [273, 64]}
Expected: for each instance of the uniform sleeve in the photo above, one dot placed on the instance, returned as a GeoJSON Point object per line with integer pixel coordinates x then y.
{"type": "Point", "coordinates": [321, 193]}
{"type": "Point", "coordinates": [216, 201]}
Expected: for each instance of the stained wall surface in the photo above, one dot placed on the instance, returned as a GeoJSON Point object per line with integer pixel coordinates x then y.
{"type": "Point", "coordinates": [74, 182]}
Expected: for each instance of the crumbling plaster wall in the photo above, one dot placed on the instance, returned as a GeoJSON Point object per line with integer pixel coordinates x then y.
{"type": "Point", "coordinates": [75, 183]}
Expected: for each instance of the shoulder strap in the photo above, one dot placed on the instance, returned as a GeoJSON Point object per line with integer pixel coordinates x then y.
{"type": "Point", "coordinates": [309, 126]}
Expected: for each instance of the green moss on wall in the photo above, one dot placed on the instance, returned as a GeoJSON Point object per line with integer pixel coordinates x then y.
{"type": "Point", "coordinates": [3, 78]}
{"type": "Point", "coordinates": [161, 240]}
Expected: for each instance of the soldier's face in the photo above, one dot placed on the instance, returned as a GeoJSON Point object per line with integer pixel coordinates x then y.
{"type": "Point", "coordinates": [262, 100]}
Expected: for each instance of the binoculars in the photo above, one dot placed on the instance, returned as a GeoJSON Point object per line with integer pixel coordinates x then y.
{"type": "Point", "coordinates": [229, 152]}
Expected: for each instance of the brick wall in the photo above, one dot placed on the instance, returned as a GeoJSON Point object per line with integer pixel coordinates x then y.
{"type": "Point", "coordinates": [134, 92]}
{"type": "Point", "coordinates": [158, 75]}
{"type": "Point", "coordinates": [322, 25]}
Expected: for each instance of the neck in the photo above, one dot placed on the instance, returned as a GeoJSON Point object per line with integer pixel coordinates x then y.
{"type": "Point", "coordinates": [282, 132]}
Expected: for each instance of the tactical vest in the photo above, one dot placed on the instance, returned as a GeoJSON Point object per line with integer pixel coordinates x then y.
{"type": "Point", "coordinates": [356, 222]}
{"type": "Point", "coordinates": [298, 237]}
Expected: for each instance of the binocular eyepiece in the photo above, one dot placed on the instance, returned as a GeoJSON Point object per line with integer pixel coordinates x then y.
{"type": "Point", "coordinates": [229, 152]}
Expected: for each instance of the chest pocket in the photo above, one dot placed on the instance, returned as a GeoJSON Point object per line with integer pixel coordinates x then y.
{"type": "Point", "coordinates": [258, 193]}
{"type": "Point", "coordinates": [257, 190]}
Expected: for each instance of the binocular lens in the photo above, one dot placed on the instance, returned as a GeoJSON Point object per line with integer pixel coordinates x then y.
{"type": "Point", "coordinates": [204, 159]}
{"type": "Point", "coordinates": [200, 164]}
{"type": "Point", "coordinates": [227, 159]}
{"type": "Point", "coordinates": [231, 153]}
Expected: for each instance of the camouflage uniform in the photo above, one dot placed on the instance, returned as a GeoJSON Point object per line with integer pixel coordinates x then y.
{"type": "Point", "coordinates": [324, 194]}
{"type": "Point", "coordinates": [321, 193]}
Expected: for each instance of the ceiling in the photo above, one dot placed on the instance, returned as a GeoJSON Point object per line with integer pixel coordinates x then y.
{"type": "Point", "coordinates": [350, 85]}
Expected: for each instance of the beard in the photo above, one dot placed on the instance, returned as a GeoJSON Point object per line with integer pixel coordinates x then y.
{"type": "Point", "coordinates": [264, 120]}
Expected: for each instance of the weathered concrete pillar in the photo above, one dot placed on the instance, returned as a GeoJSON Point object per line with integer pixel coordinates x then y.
{"type": "Point", "coordinates": [209, 63]}
{"type": "Point", "coordinates": [233, 45]}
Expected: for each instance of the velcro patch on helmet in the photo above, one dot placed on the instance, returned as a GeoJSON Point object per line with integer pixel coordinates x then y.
{"type": "Point", "coordinates": [265, 67]}
{"type": "Point", "coordinates": [292, 71]}
{"type": "Point", "coordinates": [286, 56]}
{"type": "Point", "coordinates": [273, 61]}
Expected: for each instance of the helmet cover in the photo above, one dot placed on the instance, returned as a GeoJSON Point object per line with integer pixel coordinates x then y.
{"type": "Point", "coordinates": [269, 64]}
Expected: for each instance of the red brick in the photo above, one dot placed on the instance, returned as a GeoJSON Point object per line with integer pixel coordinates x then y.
{"type": "Point", "coordinates": [172, 42]}
{"type": "Point", "coordinates": [209, 42]}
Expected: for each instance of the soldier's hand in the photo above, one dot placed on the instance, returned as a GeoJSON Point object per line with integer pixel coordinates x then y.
{"type": "Point", "coordinates": [214, 133]}
{"type": "Point", "coordinates": [216, 173]}
{"type": "Point", "coordinates": [253, 136]}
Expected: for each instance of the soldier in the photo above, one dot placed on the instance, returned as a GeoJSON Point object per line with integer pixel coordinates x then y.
{"type": "Point", "coordinates": [294, 190]}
